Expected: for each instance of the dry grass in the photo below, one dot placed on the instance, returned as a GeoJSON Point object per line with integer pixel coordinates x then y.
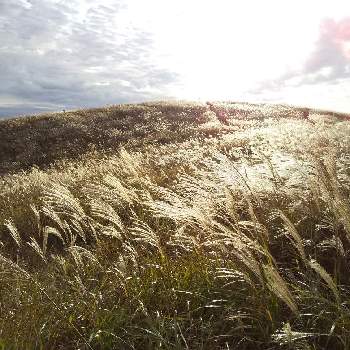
{"type": "Point", "coordinates": [222, 226]}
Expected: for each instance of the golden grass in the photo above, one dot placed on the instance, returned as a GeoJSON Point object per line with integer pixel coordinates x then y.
{"type": "Point", "coordinates": [189, 232]}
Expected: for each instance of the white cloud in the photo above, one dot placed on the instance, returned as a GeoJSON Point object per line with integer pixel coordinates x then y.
{"type": "Point", "coordinates": [324, 76]}
{"type": "Point", "coordinates": [80, 53]}
{"type": "Point", "coordinates": [73, 54]}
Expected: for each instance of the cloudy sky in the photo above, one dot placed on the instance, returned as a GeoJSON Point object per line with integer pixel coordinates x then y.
{"type": "Point", "coordinates": [67, 54]}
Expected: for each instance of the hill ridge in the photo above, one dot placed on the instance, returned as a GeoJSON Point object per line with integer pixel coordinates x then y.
{"type": "Point", "coordinates": [43, 139]}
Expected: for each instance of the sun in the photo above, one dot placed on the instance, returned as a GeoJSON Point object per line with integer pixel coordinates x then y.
{"type": "Point", "coordinates": [221, 50]}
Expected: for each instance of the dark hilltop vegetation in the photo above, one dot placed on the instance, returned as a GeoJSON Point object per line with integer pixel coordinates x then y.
{"type": "Point", "coordinates": [175, 225]}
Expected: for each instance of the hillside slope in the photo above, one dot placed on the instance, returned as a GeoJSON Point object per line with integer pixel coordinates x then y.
{"type": "Point", "coordinates": [176, 226]}
{"type": "Point", "coordinates": [41, 140]}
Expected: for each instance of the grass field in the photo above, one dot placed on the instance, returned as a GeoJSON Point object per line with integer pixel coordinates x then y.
{"type": "Point", "coordinates": [175, 225]}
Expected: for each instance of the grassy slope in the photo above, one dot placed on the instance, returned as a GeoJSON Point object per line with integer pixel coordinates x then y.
{"type": "Point", "coordinates": [41, 140]}
{"type": "Point", "coordinates": [174, 226]}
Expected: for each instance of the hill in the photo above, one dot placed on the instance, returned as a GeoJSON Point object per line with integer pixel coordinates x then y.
{"type": "Point", "coordinates": [175, 225]}
{"type": "Point", "coordinates": [44, 139]}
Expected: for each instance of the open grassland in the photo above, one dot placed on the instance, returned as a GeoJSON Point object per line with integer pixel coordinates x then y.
{"type": "Point", "coordinates": [175, 226]}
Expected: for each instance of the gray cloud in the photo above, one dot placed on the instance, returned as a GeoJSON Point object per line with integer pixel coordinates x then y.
{"type": "Point", "coordinates": [328, 63]}
{"type": "Point", "coordinates": [54, 56]}
{"type": "Point", "coordinates": [329, 50]}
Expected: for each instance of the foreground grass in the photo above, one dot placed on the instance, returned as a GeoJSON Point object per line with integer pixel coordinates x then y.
{"type": "Point", "coordinates": [232, 234]}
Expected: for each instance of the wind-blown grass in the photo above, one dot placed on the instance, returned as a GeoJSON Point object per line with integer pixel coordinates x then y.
{"type": "Point", "coordinates": [236, 238]}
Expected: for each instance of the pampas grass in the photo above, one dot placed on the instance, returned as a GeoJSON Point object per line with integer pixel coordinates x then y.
{"type": "Point", "coordinates": [193, 237]}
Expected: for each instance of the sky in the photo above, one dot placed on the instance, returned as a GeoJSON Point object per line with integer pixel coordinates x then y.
{"type": "Point", "coordinates": [66, 54]}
